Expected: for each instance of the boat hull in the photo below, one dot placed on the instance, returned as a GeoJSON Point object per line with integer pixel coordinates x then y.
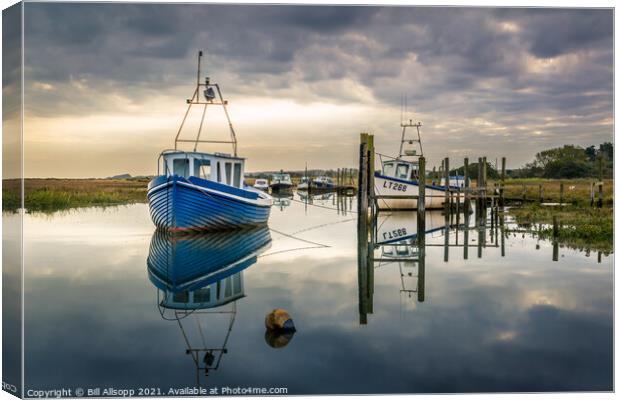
{"type": "Point", "coordinates": [177, 204]}
{"type": "Point", "coordinates": [281, 187]}
{"type": "Point", "coordinates": [389, 186]}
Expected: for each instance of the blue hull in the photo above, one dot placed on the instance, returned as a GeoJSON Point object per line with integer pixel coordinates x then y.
{"type": "Point", "coordinates": [194, 204]}
{"type": "Point", "coordinates": [188, 262]}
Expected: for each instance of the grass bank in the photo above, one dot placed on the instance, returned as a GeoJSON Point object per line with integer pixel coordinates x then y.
{"type": "Point", "coordinates": [586, 228]}
{"type": "Point", "coordinates": [49, 195]}
{"type": "Point", "coordinates": [576, 191]}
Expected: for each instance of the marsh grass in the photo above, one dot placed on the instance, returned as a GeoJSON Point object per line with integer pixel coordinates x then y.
{"type": "Point", "coordinates": [585, 228]}
{"type": "Point", "coordinates": [48, 195]}
{"type": "Point", "coordinates": [576, 191]}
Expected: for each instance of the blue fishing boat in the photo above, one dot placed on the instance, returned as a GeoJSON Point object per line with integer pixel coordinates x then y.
{"type": "Point", "coordinates": [203, 270]}
{"type": "Point", "coordinates": [204, 191]}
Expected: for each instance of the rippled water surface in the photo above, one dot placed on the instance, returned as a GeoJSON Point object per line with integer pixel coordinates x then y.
{"type": "Point", "coordinates": [110, 304]}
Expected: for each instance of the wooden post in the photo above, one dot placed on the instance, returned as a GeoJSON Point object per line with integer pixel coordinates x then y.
{"type": "Point", "coordinates": [501, 188]}
{"type": "Point", "coordinates": [466, 189]}
{"type": "Point", "coordinates": [371, 166]}
{"type": "Point", "coordinates": [446, 176]}
{"type": "Point", "coordinates": [484, 181]}
{"type": "Point", "coordinates": [421, 271]}
{"type": "Point", "coordinates": [466, 236]}
{"type": "Point", "coordinates": [421, 201]}
{"type": "Point", "coordinates": [479, 186]}
{"type": "Point", "coordinates": [446, 238]}
{"type": "Point", "coordinates": [555, 238]}
{"type": "Point", "coordinates": [362, 198]}
{"type": "Point", "coordinates": [600, 181]}
{"type": "Point", "coordinates": [592, 195]}
{"type": "Point", "coordinates": [540, 193]}
{"type": "Point", "coordinates": [561, 192]}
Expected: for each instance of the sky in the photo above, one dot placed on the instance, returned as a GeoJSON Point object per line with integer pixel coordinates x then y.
{"type": "Point", "coordinates": [106, 83]}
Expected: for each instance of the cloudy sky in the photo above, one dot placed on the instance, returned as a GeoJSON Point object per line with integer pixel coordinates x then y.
{"type": "Point", "coordinates": [106, 83]}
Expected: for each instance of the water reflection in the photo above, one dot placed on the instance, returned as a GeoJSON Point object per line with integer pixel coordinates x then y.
{"type": "Point", "coordinates": [281, 200]}
{"type": "Point", "coordinates": [392, 238]}
{"type": "Point", "coordinates": [199, 279]}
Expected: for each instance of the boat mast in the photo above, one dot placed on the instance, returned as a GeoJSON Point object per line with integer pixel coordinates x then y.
{"type": "Point", "coordinates": [408, 124]}
{"type": "Point", "coordinates": [210, 98]}
{"type": "Point", "coordinates": [403, 139]}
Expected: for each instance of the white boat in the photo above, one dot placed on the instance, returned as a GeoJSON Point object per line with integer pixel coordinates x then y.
{"type": "Point", "coordinates": [323, 183]}
{"type": "Point", "coordinates": [304, 183]}
{"type": "Point", "coordinates": [281, 182]}
{"type": "Point", "coordinates": [261, 184]}
{"type": "Point", "coordinates": [399, 177]}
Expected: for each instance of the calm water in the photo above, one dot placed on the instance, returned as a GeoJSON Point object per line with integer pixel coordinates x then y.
{"type": "Point", "coordinates": [519, 322]}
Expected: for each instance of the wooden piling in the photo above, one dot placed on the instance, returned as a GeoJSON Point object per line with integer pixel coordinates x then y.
{"type": "Point", "coordinates": [371, 166]}
{"type": "Point", "coordinates": [362, 198]}
{"type": "Point", "coordinates": [466, 204]}
{"type": "Point", "coordinates": [540, 193]}
{"type": "Point", "coordinates": [600, 181]}
{"type": "Point", "coordinates": [446, 183]}
{"type": "Point", "coordinates": [421, 209]}
{"type": "Point", "coordinates": [555, 227]}
{"type": "Point", "coordinates": [592, 195]}
{"type": "Point", "coordinates": [479, 189]}
{"type": "Point", "coordinates": [503, 178]}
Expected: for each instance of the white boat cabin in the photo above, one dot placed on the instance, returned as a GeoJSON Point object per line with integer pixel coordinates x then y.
{"type": "Point", "coordinates": [217, 167]}
{"type": "Point", "coordinates": [324, 180]}
{"type": "Point", "coordinates": [455, 181]}
{"type": "Point", "coordinates": [281, 179]}
{"type": "Point", "coordinates": [400, 169]}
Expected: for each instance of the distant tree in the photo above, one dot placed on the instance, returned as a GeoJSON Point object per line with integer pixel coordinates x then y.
{"type": "Point", "coordinates": [607, 150]}
{"type": "Point", "coordinates": [591, 153]}
{"type": "Point", "coordinates": [472, 171]}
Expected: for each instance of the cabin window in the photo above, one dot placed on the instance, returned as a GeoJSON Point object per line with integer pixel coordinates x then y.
{"type": "Point", "coordinates": [202, 295]}
{"type": "Point", "coordinates": [237, 283]}
{"type": "Point", "coordinates": [202, 168]}
{"type": "Point", "coordinates": [402, 170]}
{"type": "Point", "coordinates": [228, 288]}
{"type": "Point", "coordinates": [180, 166]}
{"type": "Point", "coordinates": [237, 175]}
{"type": "Point", "coordinates": [181, 297]}
{"type": "Point", "coordinates": [388, 169]}
{"type": "Point", "coordinates": [228, 167]}
{"type": "Point", "coordinates": [219, 173]}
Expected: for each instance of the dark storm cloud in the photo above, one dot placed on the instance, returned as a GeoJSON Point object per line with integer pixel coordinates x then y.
{"type": "Point", "coordinates": [550, 32]}
{"type": "Point", "coordinates": [513, 67]}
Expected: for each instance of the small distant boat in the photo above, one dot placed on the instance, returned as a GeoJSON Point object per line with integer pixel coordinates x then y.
{"type": "Point", "coordinates": [323, 183]}
{"type": "Point", "coordinates": [261, 184]}
{"type": "Point", "coordinates": [304, 183]}
{"type": "Point", "coordinates": [399, 177]}
{"type": "Point", "coordinates": [281, 182]}
{"type": "Point", "coordinates": [204, 191]}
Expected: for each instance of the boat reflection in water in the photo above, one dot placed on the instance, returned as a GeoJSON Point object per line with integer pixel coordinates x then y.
{"type": "Point", "coordinates": [392, 238]}
{"type": "Point", "coordinates": [282, 200]}
{"type": "Point", "coordinates": [199, 278]}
